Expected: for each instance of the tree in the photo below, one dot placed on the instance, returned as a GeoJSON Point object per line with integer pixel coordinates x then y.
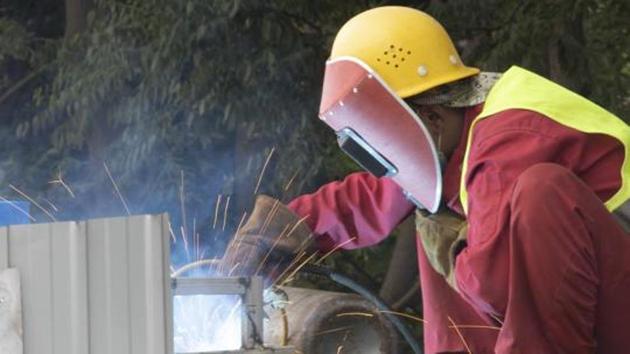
{"type": "Point", "coordinates": [161, 89]}
{"type": "Point", "coordinates": [76, 17]}
{"type": "Point", "coordinates": [581, 44]}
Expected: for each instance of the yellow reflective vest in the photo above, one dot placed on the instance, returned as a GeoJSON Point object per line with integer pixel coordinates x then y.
{"type": "Point", "coordinates": [522, 89]}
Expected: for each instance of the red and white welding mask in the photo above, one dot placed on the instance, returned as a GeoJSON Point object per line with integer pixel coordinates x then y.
{"type": "Point", "coordinates": [380, 131]}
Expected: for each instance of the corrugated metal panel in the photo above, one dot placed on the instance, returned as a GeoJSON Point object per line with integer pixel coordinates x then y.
{"type": "Point", "coordinates": [69, 290]}
{"type": "Point", "coordinates": [147, 303]}
{"type": "Point", "coordinates": [30, 252]}
{"type": "Point", "coordinates": [97, 287]}
{"type": "Point", "coordinates": [109, 286]}
{"type": "Point", "coordinates": [4, 249]}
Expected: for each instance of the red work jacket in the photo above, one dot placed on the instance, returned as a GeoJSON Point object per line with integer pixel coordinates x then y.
{"type": "Point", "coordinates": [365, 209]}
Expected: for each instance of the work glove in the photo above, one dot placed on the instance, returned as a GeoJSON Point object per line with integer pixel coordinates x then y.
{"type": "Point", "coordinates": [443, 236]}
{"type": "Point", "coordinates": [268, 242]}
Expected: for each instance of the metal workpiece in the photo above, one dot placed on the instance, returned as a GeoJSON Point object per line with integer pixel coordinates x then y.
{"type": "Point", "coordinates": [252, 332]}
{"type": "Point", "coordinates": [211, 286]}
{"type": "Point", "coordinates": [250, 290]}
{"type": "Point", "coordinates": [100, 286]}
{"type": "Point", "coordinates": [316, 321]}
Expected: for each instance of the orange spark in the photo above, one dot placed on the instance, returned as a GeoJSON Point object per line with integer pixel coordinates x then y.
{"type": "Point", "coordinates": [14, 206]}
{"type": "Point", "coordinates": [59, 180]}
{"type": "Point", "coordinates": [170, 230]}
{"type": "Point", "coordinates": [332, 330]}
{"type": "Point", "coordinates": [402, 314]}
{"type": "Point", "coordinates": [225, 212]}
{"type": "Point", "coordinates": [476, 327]}
{"type": "Point", "coordinates": [262, 172]}
{"type": "Point", "coordinates": [459, 334]}
{"type": "Point", "coordinates": [124, 203]}
{"type": "Point", "coordinates": [275, 244]}
{"type": "Point", "coordinates": [364, 314]}
{"type": "Point", "coordinates": [33, 201]}
{"type": "Point", "coordinates": [293, 262]}
{"type": "Point", "coordinates": [335, 249]}
{"type": "Point", "coordinates": [216, 211]}
{"type": "Point", "coordinates": [299, 267]}
{"type": "Point", "coordinates": [288, 185]}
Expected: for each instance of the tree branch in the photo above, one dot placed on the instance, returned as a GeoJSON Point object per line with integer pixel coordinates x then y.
{"type": "Point", "coordinates": [28, 78]}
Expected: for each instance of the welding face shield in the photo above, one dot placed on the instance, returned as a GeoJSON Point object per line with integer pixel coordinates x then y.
{"type": "Point", "coordinates": [379, 131]}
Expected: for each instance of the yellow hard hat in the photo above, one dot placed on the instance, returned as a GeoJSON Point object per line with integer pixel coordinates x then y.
{"type": "Point", "coordinates": [407, 48]}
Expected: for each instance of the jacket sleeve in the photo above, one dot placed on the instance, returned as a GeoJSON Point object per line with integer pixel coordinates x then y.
{"type": "Point", "coordinates": [357, 212]}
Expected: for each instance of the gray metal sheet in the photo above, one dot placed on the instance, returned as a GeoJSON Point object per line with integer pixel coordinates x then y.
{"type": "Point", "coordinates": [4, 249]}
{"type": "Point", "coordinates": [147, 320]}
{"type": "Point", "coordinates": [30, 252]}
{"type": "Point", "coordinates": [98, 287]}
{"type": "Point", "coordinates": [69, 288]}
{"type": "Point", "coordinates": [108, 284]}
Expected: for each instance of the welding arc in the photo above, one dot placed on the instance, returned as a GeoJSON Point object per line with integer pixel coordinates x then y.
{"type": "Point", "coordinates": [368, 295]}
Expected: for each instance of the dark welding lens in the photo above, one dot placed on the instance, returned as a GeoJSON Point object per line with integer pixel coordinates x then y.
{"type": "Point", "coordinates": [363, 154]}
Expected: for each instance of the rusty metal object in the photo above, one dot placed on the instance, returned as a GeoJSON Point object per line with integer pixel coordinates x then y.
{"type": "Point", "coordinates": [316, 321]}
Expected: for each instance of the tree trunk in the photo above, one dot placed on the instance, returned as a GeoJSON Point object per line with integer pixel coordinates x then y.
{"type": "Point", "coordinates": [76, 17]}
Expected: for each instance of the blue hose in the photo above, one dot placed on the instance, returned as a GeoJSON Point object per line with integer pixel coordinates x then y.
{"type": "Point", "coordinates": [368, 295]}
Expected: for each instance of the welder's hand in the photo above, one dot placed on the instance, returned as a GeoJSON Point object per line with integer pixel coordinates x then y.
{"type": "Point", "coordinates": [268, 242]}
{"type": "Point", "coordinates": [443, 236]}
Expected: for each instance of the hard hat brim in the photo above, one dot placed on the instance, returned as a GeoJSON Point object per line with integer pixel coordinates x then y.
{"type": "Point", "coordinates": [462, 73]}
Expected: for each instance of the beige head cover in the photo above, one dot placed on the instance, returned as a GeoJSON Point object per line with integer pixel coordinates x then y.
{"type": "Point", "coordinates": [463, 93]}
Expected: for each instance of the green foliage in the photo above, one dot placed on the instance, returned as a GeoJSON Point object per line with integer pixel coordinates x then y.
{"type": "Point", "coordinates": [581, 44]}
{"type": "Point", "coordinates": [19, 48]}
{"type": "Point", "coordinates": [157, 89]}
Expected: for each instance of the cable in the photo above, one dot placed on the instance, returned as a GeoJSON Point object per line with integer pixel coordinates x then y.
{"type": "Point", "coordinates": [368, 295]}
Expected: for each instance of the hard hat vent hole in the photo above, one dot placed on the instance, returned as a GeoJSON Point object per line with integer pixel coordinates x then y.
{"type": "Point", "coordinates": [393, 55]}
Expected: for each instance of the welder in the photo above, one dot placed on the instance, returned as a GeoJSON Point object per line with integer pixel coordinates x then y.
{"type": "Point", "coordinates": [518, 185]}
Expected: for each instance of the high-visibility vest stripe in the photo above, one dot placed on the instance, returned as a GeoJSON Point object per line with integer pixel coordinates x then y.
{"type": "Point", "coordinates": [521, 89]}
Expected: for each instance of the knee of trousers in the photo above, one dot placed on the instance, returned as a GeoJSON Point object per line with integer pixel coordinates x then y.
{"type": "Point", "coordinates": [541, 185]}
